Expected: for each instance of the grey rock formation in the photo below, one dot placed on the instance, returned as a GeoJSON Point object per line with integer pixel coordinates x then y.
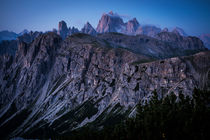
{"type": "Point", "coordinates": [165, 44]}
{"type": "Point", "coordinates": [179, 31]}
{"type": "Point", "coordinates": [113, 23]}
{"type": "Point", "coordinates": [10, 46]}
{"type": "Point", "coordinates": [73, 30]}
{"type": "Point", "coordinates": [132, 26]}
{"type": "Point", "coordinates": [25, 31]}
{"type": "Point", "coordinates": [62, 29]}
{"type": "Point", "coordinates": [110, 23]}
{"type": "Point", "coordinates": [88, 29]}
{"type": "Point", "coordinates": [64, 85]}
{"type": "Point", "coordinates": [178, 41]}
{"type": "Point", "coordinates": [28, 37]}
{"type": "Point", "coordinates": [206, 40]}
{"type": "Point", "coordinates": [148, 30]}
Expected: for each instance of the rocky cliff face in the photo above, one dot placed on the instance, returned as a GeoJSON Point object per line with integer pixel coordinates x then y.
{"type": "Point", "coordinates": [179, 41]}
{"type": "Point", "coordinates": [10, 47]}
{"type": "Point", "coordinates": [73, 30]}
{"type": "Point", "coordinates": [88, 29]}
{"type": "Point", "coordinates": [28, 37]}
{"type": "Point", "coordinates": [148, 30]}
{"type": "Point", "coordinates": [62, 29]}
{"type": "Point", "coordinates": [179, 31]}
{"type": "Point", "coordinates": [110, 23]}
{"type": "Point", "coordinates": [62, 85]}
{"type": "Point", "coordinates": [164, 45]}
{"type": "Point", "coordinates": [132, 26]}
{"type": "Point", "coordinates": [114, 23]}
{"type": "Point", "coordinates": [25, 31]}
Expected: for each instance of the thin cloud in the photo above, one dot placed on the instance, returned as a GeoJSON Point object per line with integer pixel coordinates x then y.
{"type": "Point", "coordinates": [125, 16]}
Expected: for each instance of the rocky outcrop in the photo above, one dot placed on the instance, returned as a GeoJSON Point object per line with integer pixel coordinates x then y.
{"type": "Point", "coordinates": [73, 30]}
{"type": "Point", "coordinates": [110, 23]}
{"type": "Point", "coordinates": [148, 30]}
{"type": "Point", "coordinates": [63, 85]}
{"type": "Point", "coordinates": [179, 31]}
{"type": "Point", "coordinates": [28, 37]}
{"type": "Point", "coordinates": [10, 47]}
{"type": "Point", "coordinates": [25, 31]}
{"type": "Point", "coordinates": [62, 29]}
{"type": "Point", "coordinates": [165, 44]}
{"type": "Point", "coordinates": [132, 26]}
{"type": "Point", "coordinates": [88, 29]}
{"type": "Point", "coordinates": [178, 41]}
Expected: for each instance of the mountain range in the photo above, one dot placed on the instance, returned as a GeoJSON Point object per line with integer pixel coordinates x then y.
{"type": "Point", "coordinates": [109, 22]}
{"type": "Point", "coordinates": [66, 79]}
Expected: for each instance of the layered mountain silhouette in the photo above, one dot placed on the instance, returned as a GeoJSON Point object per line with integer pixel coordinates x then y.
{"type": "Point", "coordinates": [66, 79]}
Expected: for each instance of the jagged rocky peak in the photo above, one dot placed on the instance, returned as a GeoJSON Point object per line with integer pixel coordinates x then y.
{"type": "Point", "coordinates": [73, 30]}
{"type": "Point", "coordinates": [25, 31]}
{"type": "Point", "coordinates": [88, 29]}
{"type": "Point", "coordinates": [62, 29]}
{"type": "Point", "coordinates": [132, 26]}
{"type": "Point", "coordinates": [180, 31]}
{"type": "Point", "coordinates": [110, 22]}
{"type": "Point", "coordinates": [182, 42]}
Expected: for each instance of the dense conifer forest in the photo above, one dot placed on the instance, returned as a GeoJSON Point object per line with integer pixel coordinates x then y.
{"type": "Point", "coordinates": [168, 118]}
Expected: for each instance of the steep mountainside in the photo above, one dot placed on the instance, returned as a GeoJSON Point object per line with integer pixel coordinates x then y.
{"type": "Point", "coordinates": [165, 44]}
{"type": "Point", "coordinates": [88, 29]}
{"type": "Point", "coordinates": [10, 46]}
{"type": "Point", "coordinates": [179, 31]}
{"type": "Point", "coordinates": [60, 85]}
{"type": "Point", "coordinates": [110, 23]}
{"type": "Point", "coordinates": [63, 29]}
{"type": "Point", "coordinates": [132, 26]}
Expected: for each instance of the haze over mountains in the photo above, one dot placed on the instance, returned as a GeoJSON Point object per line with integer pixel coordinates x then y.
{"type": "Point", "coordinates": [68, 78]}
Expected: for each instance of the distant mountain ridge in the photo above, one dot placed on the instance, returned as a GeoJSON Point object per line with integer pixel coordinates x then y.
{"type": "Point", "coordinates": [112, 22]}
{"type": "Point", "coordinates": [109, 22]}
{"type": "Point", "coordinates": [7, 35]}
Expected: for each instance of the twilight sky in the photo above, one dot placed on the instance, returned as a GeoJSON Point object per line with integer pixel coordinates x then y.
{"type": "Point", "coordinates": [43, 15]}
